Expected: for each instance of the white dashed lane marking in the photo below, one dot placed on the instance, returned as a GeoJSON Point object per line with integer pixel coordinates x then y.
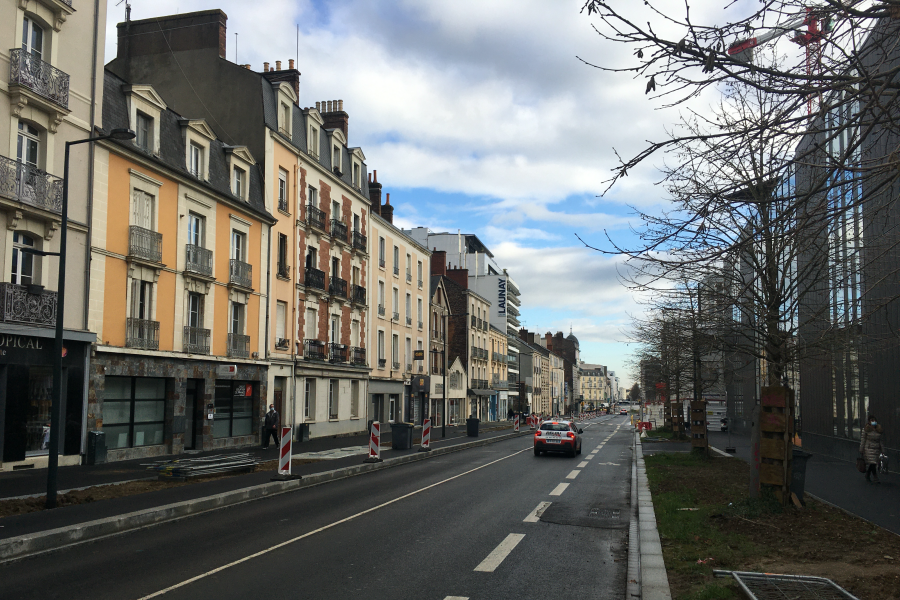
{"type": "Point", "coordinates": [493, 560]}
{"type": "Point", "coordinates": [558, 490]}
{"type": "Point", "coordinates": [584, 463]}
{"type": "Point", "coordinates": [535, 515]}
{"type": "Point", "coordinates": [573, 474]}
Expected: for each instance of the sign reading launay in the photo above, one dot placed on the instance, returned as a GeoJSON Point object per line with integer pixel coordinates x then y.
{"type": "Point", "coordinates": [501, 297]}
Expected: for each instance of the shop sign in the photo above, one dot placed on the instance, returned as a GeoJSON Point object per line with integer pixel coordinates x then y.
{"type": "Point", "coordinates": [501, 296]}
{"type": "Point", "coordinates": [244, 390]}
{"type": "Point", "coordinates": [226, 370]}
{"type": "Point", "coordinates": [21, 342]}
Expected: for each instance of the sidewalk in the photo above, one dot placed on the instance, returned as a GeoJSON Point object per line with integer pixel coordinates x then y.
{"type": "Point", "coordinates": [839, 483]}
{"type": "Point", "coordinates": [21, 483]}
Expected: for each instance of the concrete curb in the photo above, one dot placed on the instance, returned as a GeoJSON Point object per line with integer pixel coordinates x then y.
{"type": "Point", "coordinates": [653, 578]}
{"type": "Point", "coordinates": [54, 539]}
{"type": "Point", "coordinates": [721, 453]}
{"type": "Point", "coordinates": [633, 586]}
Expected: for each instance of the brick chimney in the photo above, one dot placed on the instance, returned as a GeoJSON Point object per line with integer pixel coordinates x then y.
{"type": "Point", "coordinates": [460, 276]}
{"type": "Point", "coordinates": [289, 75]}
{"type": "Point", "coordinates": [438, 262]}
{"type": "Point", "coordinates": [199, 30]}
{"type": "Point", "coordinates": [549, 338]}
{"type": "Point", "coordinates": [375, 192]}
{"type": "Point", "coordinates": [387, 211]}
{"type": "Point", "coordinates": [334, 116]}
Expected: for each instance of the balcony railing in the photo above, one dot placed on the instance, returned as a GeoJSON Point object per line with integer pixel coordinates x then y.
{"type": "Point", "coordinates": [381, 310]}
{"type": "Point", "coordinates": [498, 357]}
{"type": "Point", "coordinates": [38, 76]}
{"type": "Point", "coordinates": [357, 294]}
{"type": "Point", "coordinates": [381, 262]}
{"type": "Point", "coordinates": [474, 320]}
{"type": "Point", "coordinates": [241, 273]}
{"type": "Point", "coordinates": [27, 304]}
{"type": "Point", "coordinates": [396, 316]}
{"type": "Point", "coordinates": [284, 270]}
{"type": "Point", "coordinates": [421, 283]}
{"type": "Point", "coordinates": [338, 230]}
{"type": "Point", "coordinates": [198, 260]}
{"type": "Point", "coordinates": [382, 363]}
{"type": "Point", "coordinates": [141, 333]}
{"type": "Point", "coordinates": [479, 384]}
{"type": "Point", "coordinates": [315, 278]}
{"type": "Point", "coordinates": [499, 384]}
{"type": "Point", "coordinates": [283, 205]}
{"type": "Point", "coordinates": [337, 353]}
{"type": "Point", "coordinates": [420, 324]}
{"type": "Point", "coordinates": [282, 344]}
{"type": "Point", "coordinates": [408, 368]}
{"type": "Point", "coordinates": [408, 277]}
{"type": "Point", "coordinates": [358, 356]}
{"type": "Point", "coordinates": [396, 365]}
{"type": "Point", "coordinates": [409, 321]}
{"type": "Point", "coordinates": [196, 340]}
{"type": "Point", "coordinates": [314, 350]}
{"type": "Point", "coordinates": [315, 217]}
{"type": "Point", "coordinates": [337, 287]}
{"type": "Point", "coordinates": [359, 241]}
{"type": "Point", "coordinates": [238, 345]}
{"type": "Point", "coordinates": [29, 185]}
{"type": "Point", "coordinates": [145, 244]}
{"type": "Point", "coordinates": [512, 359]}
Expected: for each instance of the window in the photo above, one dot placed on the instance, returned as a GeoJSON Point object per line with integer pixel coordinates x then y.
{"type": "Point", "coordinates": [282, 190]}
{"type": "Point", "coordinates": [407, 358]}
{"type": "Point", "coordinates": [239, 177]}
{"type": "Point", "coordinates": [236, 324]}
{"type": "Point", "coordinates": [356, 175]}
{"type": "Point", "coordinates": [134, 411]}
{"type": "Point", "coordinates": [143, 209]}
{"type": "Point", "coordinates": [408, 309]}
{"type": "Point", "coordinates": [380, 349]}
{"type": "Point", "coordinates": [408, 267]}
{"type": "Point", "coordinates": [419, 311]}
{"type": "Point", "coordinates": [144, 131]}
{"type": "Point", "coordinates": [419, 272]}
{"type": "Point", "coordinates": [314, 141]}
{"type": "Point", "coordinates": [356, 223]}
{"type": "Point", "coordinates": [335, 329]}
{"type": "Point", "coordinates": [395, 303]}
{"type": "Point", "coordinates": [381, 298]}
{"type": "Point", "coordinates": [141, 299]}
{"type": "Point", "coordinates": [280, 322]}
{"type": "Point", "coordinates": [336, 159]}
{"type": "Point", "coordinates": [27, 144]}
{"type": "Point", "coordinates": [32, 39]}
{"type": "Point", "coordinates": [396, 260]}
{"type": "Point", "coordinates": [395, 351]}
{"type": "Point", "coordinates": [313, 196]}
{"type": "Point", "coordinates": [309, 398]}
{"type": "Point", "coordinates": [195, 160]}
{"type": "Point", "coordinates": [195, 310]}
{"type": "Point", "coordinates": [335, 211]}
{"type": "Point", "coordinates": [312, 254]}
{"type": "Point", "coordinates": [354, 399]}
{"type": "Point", "coordinates": [381, 252]}
{"type": "Point", "coordinates": [332, 398]}
{"type": "Point", "coordinates": [23, 263]}
{"type": "Point", "coordinates": [237, 245]}
{"type": "Point", "coordinates": [195, 229]}
{"type": "Point", "coordinates": [234, 408]}
{"type": "Point", "coordinates": [285, 122]}
{"type": "Point", "coordinates": [310, 324]}
{"type": "Point", "coordinates": [283, 269]}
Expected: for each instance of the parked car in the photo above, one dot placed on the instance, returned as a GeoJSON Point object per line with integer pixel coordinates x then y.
{"type": "Point", "coordinates": [558, 436]}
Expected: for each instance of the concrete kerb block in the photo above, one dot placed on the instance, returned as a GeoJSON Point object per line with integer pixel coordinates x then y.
{"type": "Point", "coordinates": [54, 539]}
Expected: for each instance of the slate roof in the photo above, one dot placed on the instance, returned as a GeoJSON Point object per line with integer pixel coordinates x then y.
{"type": "Point", "coordinates": [172, 149]}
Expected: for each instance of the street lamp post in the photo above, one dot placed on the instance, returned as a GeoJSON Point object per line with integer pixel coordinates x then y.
{"type": "Point", "coordinates": [56, 398]}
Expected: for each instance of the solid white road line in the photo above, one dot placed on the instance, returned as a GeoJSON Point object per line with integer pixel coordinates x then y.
{"type": "Point", "coordinates": [584, 463]}
{"type": "Point", "coordinates": [535, 515]}
{"type": "Point", "coordinates": [456, 598]}
{"type": "Point", "coordinates": [558, 490]}
{"type": "Point", "coordinates": [573, 474]}
{"type": "Point", "coordinates": [493, 560]}
{"type": "Point", "coordinates": [323, 528]}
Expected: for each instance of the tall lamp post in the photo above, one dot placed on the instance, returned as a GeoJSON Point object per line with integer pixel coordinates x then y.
{"type": "Point", "coordinates": [56, 399]}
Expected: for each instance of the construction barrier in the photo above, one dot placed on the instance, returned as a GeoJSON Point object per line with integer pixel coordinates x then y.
{"type": "Point", "coordinates": [284, 459]}
{"type": "Point", "coordinates": [426, 434]}
{"type": "Point", "coordinates": [375, 442]}
{"type": "Point", "coordinates": [531, 421]}
{"type": "Point", "coordinates": [516, 423]}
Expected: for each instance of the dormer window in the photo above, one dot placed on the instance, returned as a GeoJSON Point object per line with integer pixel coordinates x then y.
{"type": "Point", "coordinates": [336, 159]}
{"type": "Point", "coordinates": [314, 141]}
{"type": "Point", "coordinates": [357, 158]}
{"type": "Point", "coordinates": [284, 120]}
{"type": "Point", "coordinates": [144, 130]}
{"type": "Point", "coordinates": [356, 175]}
{"type": "Point", "coordinates": [240, 161]}
{"type": "Point", "coordinates": [144, 109]}
{"type": "Point", "coordinates": [195, 158]}
{"type": "Point", "coordinates": [197, 139]}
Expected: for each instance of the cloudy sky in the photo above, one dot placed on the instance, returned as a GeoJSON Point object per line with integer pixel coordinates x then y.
{"type": "Point", "coordinates": [478, 117]}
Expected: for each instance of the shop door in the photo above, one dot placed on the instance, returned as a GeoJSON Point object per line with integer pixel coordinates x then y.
{"type": "Point", "coordinates": [193, 421]}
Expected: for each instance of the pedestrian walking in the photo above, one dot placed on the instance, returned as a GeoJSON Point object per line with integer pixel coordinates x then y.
{"type": "Point", "coordinates": [871, 448]}
{"type": "Point", "coordinates": [271, 425]}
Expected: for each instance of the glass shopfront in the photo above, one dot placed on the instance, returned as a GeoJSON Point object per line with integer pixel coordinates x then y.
{"type": "Point", "coordinates": [234, 408]}
{"type": "Point", "coordinates": [134, 410]}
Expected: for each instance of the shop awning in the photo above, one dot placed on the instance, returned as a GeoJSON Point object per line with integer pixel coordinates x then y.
{"type": "Point", "coordinates": [482, 392]}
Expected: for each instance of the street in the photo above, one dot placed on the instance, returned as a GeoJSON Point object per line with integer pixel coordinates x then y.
{"type": "Point", "coordinates": [462, 525]}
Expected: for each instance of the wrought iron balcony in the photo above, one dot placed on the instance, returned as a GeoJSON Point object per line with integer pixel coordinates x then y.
{"type": "Point", "coordinates": [408, 368]}
{"type": "Point", "coordinates": [283, 205]}
{"type": "Point", "coordinates": [284, 270]}
{"type": "Point", "coordinates": [27, 304]}
{"type": "Point", "coordinates": [357, 294]}
{"type": "Point", "coordinates": [198, 260]}
{"type": "Point", "coordinates": [29, 185]}
{"type": "Point", "coordinates": [396, 316]}
{"type": "Point", "coordinates": [396, 365]}
{"type": "Point", "coordinates": [474, 320]}
{"type": "Point", "coordinates": [499, 384]}
{"type": "Point", "coordinates": [358, 356]}
{"type": "Point", "coordinates": [396, 270]}
{"type": "Point", "coordinates": [238, 345]}
{"type": "Point", "coordinates": [337, 287]}
{"type": "Point", "coordinates": [141, 333]}
{"type": "Point", "coordinates": [337, 353]}
{"type": "Point", "coordinates": [498, 357]}
{"type": "Point", "coordinates": [359, 241]}
{"type": "Point", "coordinates": [196, 340]}
{"type": "Point", "coordinates": [381, 310]}
{"type": "Point", "coordinates": [408, 277]}
{"type": "Point", "coordinates": [421, 283]}
{"type": "Point", "coordinates": [420, 324]}
{"type": "Point", "coordinates": [315, 278]}
{"type": "Point", "coordinates": [314, 350]}
{"type": "Point", "coordinates": [241, 273]}
{"type": "Point", "coordinates": [38, 76]}
{"type": "Point", "coordinates": [282, 344]}
{"type": "Point", "coordinates": [315, 217]}
{"type": "Point", "coordinates": [144, 244]}
{"type": "Point", "coordinates": [382, 363]}
{"type": "Point", "coordinates": [338, 230]}
{"type": "Point", "coordinates": [409, 321]}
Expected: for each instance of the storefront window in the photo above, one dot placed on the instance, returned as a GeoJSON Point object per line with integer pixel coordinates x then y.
{"type": "Point", "coordinates": [134, 411]}
{"type": "Point", "coordinates": [234, 409]}
{"type": "Point", "coordinates": [37, 425]}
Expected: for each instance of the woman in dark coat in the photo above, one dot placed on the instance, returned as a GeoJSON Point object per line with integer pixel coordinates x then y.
{"type": "Point", "coordinates": [871, 448]}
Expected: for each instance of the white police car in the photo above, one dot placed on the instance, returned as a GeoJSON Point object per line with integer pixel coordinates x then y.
{"type": "Point", "coordinates": [557, 436]}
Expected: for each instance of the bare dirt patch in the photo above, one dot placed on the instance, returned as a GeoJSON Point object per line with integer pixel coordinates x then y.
{"type": "Point", "coordinates": [729, 531]}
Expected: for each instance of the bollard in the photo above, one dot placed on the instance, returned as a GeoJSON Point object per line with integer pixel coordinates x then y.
{"type": "Point", "coordinates": [516, 423]}
{"type": "Point", "coordinates": [374, 443]}
{"type": "Point", "coordinates": [284, 457]}
{"type": "Point", "coordinates": [426, 436]}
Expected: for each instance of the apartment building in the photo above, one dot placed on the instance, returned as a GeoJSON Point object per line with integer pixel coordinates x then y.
{"type": "Point", "coordinates": [51, 80]}
{"type": "Point", "coordinates": [432, 394]}
{"type": "Point", "coordinates": [594, 385]}
{"type": "Point", "coordinates": [499, 367]}
{"type": "Point", "coordinates": [557, 380]}
{"type": "Point", "coordinates": [398, 325]}
{"type": "Point", "coordinates": [178, 294]}
{"type": "Point", "coordinates": [315, 184]}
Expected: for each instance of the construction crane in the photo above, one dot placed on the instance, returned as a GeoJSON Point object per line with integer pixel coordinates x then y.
{"type": "Point", "coordinates": [808, 31]}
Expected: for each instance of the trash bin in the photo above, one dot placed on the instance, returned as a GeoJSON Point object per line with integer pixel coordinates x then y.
{"type": "Point", "coordinates": [301, 432]}
{"type": "Point", "coordinates": [798, 472]}
{"type": "Point", "coordinates": [96, 448]}
{"type": "Point", "coordinates": [472, 427]}
{"type": "Point", "coordinates": [401, 436]}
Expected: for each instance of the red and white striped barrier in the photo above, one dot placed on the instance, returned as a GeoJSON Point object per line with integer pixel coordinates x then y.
{"type": "Point", "coordinates": [516, 422]}
{"type": "Point", "coordinates": [426, 434]}
{"type": "Point", "coordinates": [531, 421]}
{"type": "Point", "coordinates": [284, 459]}
{"type": "Point", "coordinates": [375, 443]}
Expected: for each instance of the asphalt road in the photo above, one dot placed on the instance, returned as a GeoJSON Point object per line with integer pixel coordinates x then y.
{"type": "Point", "coordinates": [461, 525]}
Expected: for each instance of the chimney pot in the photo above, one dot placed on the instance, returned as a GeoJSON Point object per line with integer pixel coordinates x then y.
{"type": "Point", "coordinates": [317, 107]}
{"type": "Point", "coordinates": [388, 200]}
{"type": "Point", "coordinates": [341, 105]}
{"type": "Point", "coordinates": [291, 63]}
{"type": "Point", "coordinates": [375, 174]}
{"type": "Point", "coordinates": [265, 67]}
{"type": "Point", "coordinates": [277, 65]}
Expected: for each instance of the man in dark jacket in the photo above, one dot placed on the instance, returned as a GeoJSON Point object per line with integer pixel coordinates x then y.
{"type": "Point", "coordinates": [271, 424]}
